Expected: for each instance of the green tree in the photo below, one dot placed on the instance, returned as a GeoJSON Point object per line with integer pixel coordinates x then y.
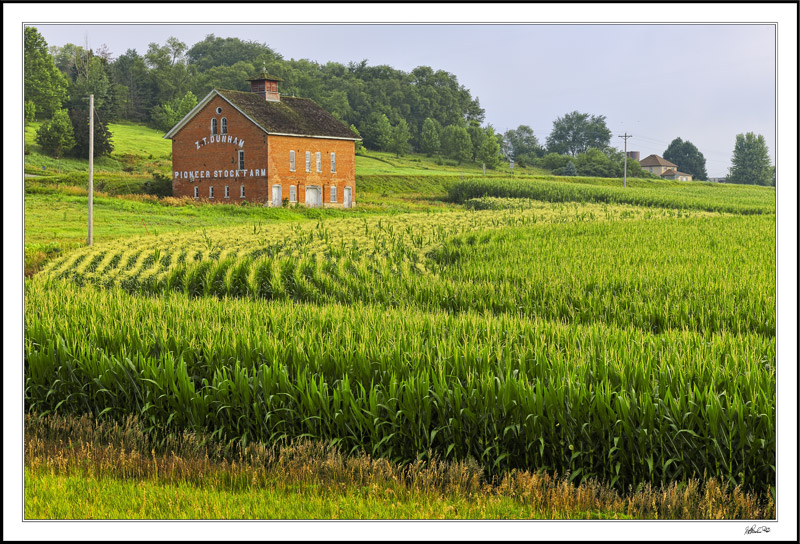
{"type": "Point", "coordinates": [429, 141]}
{"type": "Point", "coordinates": [477, 137]}
{"type": "Point", "coordinates": [456, 143]}
{"type": "Point", "coordinates": [170, 72]}
{"type": "Point", "coordinates": [377, 132]}
{"type": "Point", "coordinates": [524, 145]}
{"type": "Point", "coordinates": [55, 136]}
{"type": "Point", "coordinates": [44, 85]}
{"type": "Point", "coordinates": [30, 111]}
{"type": "Point", "coordinates": [90, 78]}
{"type": "Point", "coordinates": [232, 77]}
{"type": "Point", "coordinates": [595, 163]}
{"type": "Point", "coordinates": [80, 127]}
{"type": "Point", "coordinates": [577, 132]}
{"type": "Point", "coordinates": [166, 116]}
{"type": "Point", "coordinates": [489, 150]}
{"type": "Point", "coordinates": [129, 73]}
{"type": "Point", "coordinates": [687, 157]}
{"type": "Point", "coordinates": [400, 138]}
{"type": "Point", "coordinates": [750, 162]}
{"type": "Point", "coordinates": [570, 170]}
{"type": "Point", "coordinates": [359, 145]}
{"type": "Point", "coordinates": [552, 161]}
{"type": "Point", "coordinates": [213, 52]}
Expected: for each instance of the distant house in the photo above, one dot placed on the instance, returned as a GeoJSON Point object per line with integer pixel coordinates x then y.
{"type": "Point", "coordinates": [674, 174]}
{"type": "Point", "coordinates": [662, 167]}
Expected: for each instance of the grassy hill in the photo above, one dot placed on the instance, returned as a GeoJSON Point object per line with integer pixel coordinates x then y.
{"type": "Point", "coordinates": [414, 164]}
{"type": "Point", "coordinates": [141, 150]}
{"type": "Point", "coordinates": [138, 149]}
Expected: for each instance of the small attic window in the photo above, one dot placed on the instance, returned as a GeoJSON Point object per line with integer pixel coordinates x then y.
{"type": "Point", "coordinates": [219, 110]}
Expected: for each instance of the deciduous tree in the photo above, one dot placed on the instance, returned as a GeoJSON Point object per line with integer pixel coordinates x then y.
{"type": "Point", "coordinates": [44, 85]}
{"type": "Point", "coordinates": [400, 138]}
{"type": "Point", "coordinates": [489, 150]}
{"type": "Point", "coordinates": [687, 157]}
{"type": "Point", "coordinates": [429, 141]}
{"type": "Point", "coordinates": [168, 115]}
{"type": "Point", "coordinates": [577, 132]}
{"type": "Point", "coordinates": [55, 136]}
{"type": "Point", "coordinates": [456, 143]}
{"type": "Point", "coordinates": [524, 144]}
{"type": "Point", "coordinates": [377, 132]}
{"type": "Point", "coordinates": [359, 145]}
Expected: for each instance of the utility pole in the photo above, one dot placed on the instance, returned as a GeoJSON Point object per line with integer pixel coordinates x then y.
{"type": "Point", "coordinates": [625, 168]}
{"type": "Point", "coordinates": [91, 162]}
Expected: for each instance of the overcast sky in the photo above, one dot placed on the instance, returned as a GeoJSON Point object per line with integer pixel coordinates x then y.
{"type": "Point", "coordinates": [703, 83]}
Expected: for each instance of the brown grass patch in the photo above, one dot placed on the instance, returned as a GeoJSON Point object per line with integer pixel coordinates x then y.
{"type": "Point", "coordinates": [64, 445]}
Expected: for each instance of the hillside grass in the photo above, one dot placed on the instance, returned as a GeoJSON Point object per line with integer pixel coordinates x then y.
{"type": "Point", "coordinates": [138, 150]}
{"type": "Point", "coordinates": [419, 164]}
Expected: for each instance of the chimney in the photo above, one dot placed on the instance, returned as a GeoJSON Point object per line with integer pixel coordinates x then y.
{"type": "Point", "coordinates": [266, 85]}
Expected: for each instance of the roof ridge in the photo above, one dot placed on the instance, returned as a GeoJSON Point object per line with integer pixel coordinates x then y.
{"type": "Point", "coordinates": [291, 115]}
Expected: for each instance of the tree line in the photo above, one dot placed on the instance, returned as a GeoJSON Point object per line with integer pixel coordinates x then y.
{"type": "Point", "coordinates": [424, 110]}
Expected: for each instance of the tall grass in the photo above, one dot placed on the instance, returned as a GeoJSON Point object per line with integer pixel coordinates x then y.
{"type": "Point", "coordinates": [101, 459]}
{"type": "Point", "coordinates": [577, 264]}
{"type": "Point", "coordinates": [621, 405]}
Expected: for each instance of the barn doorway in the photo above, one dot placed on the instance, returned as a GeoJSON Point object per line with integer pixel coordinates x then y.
{"type": "Point", "coordinates": [314, 196]}
{"type": "Point", "coordinates": [276, 195]}
{"type": "Point", "coordinates": [348, 197]}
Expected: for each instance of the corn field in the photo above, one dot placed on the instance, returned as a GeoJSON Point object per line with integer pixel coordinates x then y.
{"type": "Point", "coordinates": [716, 197]}
{"type": "Point", "coordinates": [634, 345]}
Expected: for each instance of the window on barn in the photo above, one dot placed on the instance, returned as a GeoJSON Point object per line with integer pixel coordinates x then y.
{"type": "Point", "coordinates": [293, 193]}
{"type": "Point", "coordinates": [227, 191]}
{"type": "Point", "coordinates": [291, 160]}
{"type": "Point", "coordinates": [319, 161]}
{"type": "Point", "coordinates": [224, 126]}
{"type": "Point", "coordinates": [333, 162]}
{"type": "Point", "coordinates": [213, 126]}
{"type": "Point", "coordinates": [308, 161]}
{"type": "Point", "coordinates": [241, 160]}
{"type": "Point", "coordinates": [219, 110]}
{"type": "Point", "coordinates": [211, 192]}
{"type": "Point", "coordinates": [333, 194]}
{"type": "Point", "coordinates": [241, 191]}
{"type": "Point", "coordinates": [196, 191]}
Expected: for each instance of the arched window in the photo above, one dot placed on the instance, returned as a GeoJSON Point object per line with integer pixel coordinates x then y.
{"type": "Point", "coordinates": [213, 126]}
{"type": "Point", "coordinates": [224, 126]}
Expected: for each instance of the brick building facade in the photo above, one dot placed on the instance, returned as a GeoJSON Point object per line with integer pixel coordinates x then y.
{"type": "Point", "coordinates": [259, 147]}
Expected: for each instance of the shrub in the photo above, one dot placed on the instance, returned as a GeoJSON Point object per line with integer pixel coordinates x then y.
{"type": "Point", "coordinates": [56, 136]}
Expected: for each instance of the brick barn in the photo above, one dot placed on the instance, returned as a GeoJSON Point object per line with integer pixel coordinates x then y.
{"type": "Point", "coordinates": [260, 147]}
